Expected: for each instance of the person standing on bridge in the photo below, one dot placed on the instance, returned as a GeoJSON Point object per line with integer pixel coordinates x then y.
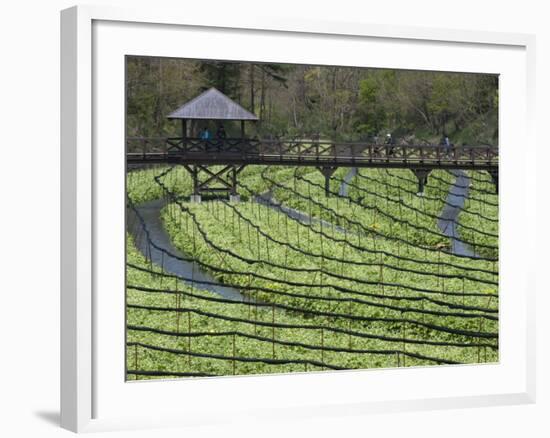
{"type": "Point", "coordinates": [220, 137]}
{"type": "Point", "coordinates": [391, 142]}
{"type": "Point", "coordinates": [446, 143]}
{"type": "Point", "coordinates": [205, 134]}
{"type": "Point", "coordinates": [220, 133]}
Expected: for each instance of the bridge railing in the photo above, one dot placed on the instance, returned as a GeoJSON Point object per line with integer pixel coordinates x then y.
{"type": "Point", "coordinates": [306, 150]}
{"type": "Point", "coordinates": [146, 145]}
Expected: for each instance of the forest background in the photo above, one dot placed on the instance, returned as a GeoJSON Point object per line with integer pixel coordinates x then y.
{"type": "Point", "coordinates": [329, 102]}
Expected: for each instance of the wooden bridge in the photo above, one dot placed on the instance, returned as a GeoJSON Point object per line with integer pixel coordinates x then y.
{"type": "Point", "coordinates": [142, 150]}
{"type": "Point", "coordinates": [197, 154]}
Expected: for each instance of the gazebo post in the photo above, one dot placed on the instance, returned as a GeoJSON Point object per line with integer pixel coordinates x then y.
{"type": "Point", "coordinates": [242, 129]}
{"type": "Point", "coordinates": [183, 132]}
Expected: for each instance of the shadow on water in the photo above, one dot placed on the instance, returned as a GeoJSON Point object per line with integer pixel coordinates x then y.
{"type": "Point", "coordinates": [448, 220]}
{"type": "Point", "coordinates": [150, 213]}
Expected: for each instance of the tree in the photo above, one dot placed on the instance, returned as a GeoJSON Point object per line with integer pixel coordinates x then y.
{"type": "Point", "coordinates": [222, 75]}
{"type": "Point", "coordinates": [340, 103]}
{"type": "Point", "coordinates": [371, 115]}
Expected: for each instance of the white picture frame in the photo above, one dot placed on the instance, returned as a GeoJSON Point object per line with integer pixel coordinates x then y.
{"type": "Point", "coordinates": [94, 395]}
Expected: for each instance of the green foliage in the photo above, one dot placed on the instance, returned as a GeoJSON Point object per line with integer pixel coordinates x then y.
{"type": "Point", "coordinates": [372, 117]}
{"type": "Point", "coordinates": [141, 187]}
{"type": "Point", "coordinates": [339, 103]}
{"type": "Point", "coordinates": [222, 75]}
{"type": "Point", "coordinates": [322, 261]}
{"type": "Point", "coordinates": [481, 213]}
{"type": "Point", "coordinates": [423, 105]}
{"type": "Point", "coordinates": [154, 88]}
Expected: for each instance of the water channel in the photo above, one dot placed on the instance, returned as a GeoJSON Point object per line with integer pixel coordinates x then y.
{"type": "Point", "coordinates": [150, 213]}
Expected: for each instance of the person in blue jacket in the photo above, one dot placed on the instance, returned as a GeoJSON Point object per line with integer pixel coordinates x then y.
{"type": "Point", "coordinates": [205, 134]}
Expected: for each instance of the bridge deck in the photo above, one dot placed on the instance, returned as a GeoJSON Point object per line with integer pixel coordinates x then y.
{"type": "Point", "coordinates": [308, 153]}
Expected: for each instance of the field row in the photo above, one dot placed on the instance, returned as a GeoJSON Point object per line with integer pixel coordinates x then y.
{"type": "Point", "coordinates": [357, 282]}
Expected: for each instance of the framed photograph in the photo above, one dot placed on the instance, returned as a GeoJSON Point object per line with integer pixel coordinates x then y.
{"type": "Point", "coordinates": [291, 218]}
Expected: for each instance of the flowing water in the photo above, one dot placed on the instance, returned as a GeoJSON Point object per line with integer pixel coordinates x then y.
{"type": "Point", "coordinates": [448, 221]}
{"type": "Point", "coordinates": [150, 213]}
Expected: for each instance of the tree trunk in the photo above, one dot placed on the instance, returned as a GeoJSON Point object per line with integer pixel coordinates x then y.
{"type": "Point", "coordinates": [295, 119]}
{"type": "Point", "coordinates": [262, 98]}
{"type": "Point", "coordinates": [251, 80]}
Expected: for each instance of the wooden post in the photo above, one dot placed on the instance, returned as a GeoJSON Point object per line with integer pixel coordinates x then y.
{"type": "Point", "coordinates": [195, 180]}
{"type": "Point", "coordinates": [494, 177]}
{"type": "Point", "coordinates": [327, 172]}
{"type": "Point", "coordinates": [242, 129]}
{"type": "Point", "coordinates": [234, 181]}
{"type": "Point", "coordinates": [422, 176]}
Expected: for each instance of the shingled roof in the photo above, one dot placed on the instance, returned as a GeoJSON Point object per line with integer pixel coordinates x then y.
{"type": "Point", "coordinates": [212, 105]}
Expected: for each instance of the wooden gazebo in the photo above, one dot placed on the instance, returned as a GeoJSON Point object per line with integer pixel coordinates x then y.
{"type": "Point", "coordinates": [211, 105]}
